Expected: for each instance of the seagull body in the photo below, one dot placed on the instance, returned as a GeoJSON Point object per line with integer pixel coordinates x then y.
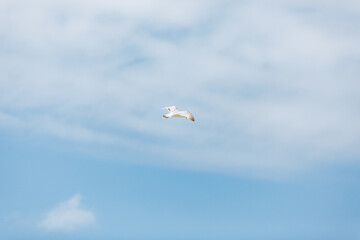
{"type": "Point", "coordinates": [174, 112]}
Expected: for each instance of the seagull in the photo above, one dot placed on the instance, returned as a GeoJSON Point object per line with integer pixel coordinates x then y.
{"type": "Point", "coordinates": [174, 112]}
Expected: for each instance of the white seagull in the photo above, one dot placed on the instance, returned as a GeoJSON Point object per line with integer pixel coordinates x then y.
{"type": "Point", "coordinates": [174, 112]}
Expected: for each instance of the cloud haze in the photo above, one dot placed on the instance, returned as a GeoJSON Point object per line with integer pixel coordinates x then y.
{"type": "Point", "coordinates": [68, 215]}
{"type": "Point", "coordinates": [273, 86]}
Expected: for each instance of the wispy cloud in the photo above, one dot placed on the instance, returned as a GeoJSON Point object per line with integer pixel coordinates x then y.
{"type": "Point", "coordinates": [68, 215]}
{"type": "Point", "coordinates": [281, 77]}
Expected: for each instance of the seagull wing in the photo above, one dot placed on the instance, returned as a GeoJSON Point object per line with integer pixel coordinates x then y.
{"type": "Point", "coordinates": [171, 108]}
{"type": "Point", "coordinates": [188, 116]}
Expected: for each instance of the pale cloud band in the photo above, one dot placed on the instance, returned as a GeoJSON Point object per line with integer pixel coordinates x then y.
{"type": "Point", "coordinates": [281, 77]}
{"type": "Point", "coordinates": [69, 215]}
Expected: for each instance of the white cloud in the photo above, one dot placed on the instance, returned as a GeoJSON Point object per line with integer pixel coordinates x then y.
{"type": "Point", "coordinates": [283, 76]}
{"type": "Point", "coordinates": [68, 215]}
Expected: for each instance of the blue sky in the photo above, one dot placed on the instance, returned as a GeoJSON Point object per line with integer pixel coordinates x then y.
{"type": "Point", "coordinates": [273, 154]}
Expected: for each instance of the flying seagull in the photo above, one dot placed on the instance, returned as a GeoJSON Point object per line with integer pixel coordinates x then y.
{"type": "Point", "coordinates": [174, 112]}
